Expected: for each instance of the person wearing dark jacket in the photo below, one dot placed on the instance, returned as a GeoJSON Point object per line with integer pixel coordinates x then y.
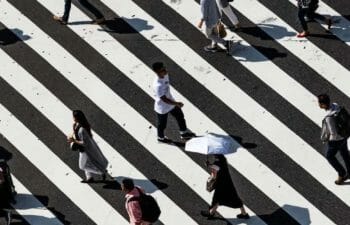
{"type": "Point", "coordinates": [307, 9]}
{"type": "Point", "coordinates": [335, 142]}
{"type": "Point", "coordinates": [225, 192]}
{"type": "Point", "coordinates": [67, 5]}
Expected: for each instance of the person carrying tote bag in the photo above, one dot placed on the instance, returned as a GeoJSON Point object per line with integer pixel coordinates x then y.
{"type": "Point", "coordinates": [211, 17]}
{"type": "Point", "coordinates": [224, 190]}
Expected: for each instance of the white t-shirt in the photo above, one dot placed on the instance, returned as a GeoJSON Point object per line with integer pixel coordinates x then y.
{"type": "Point", "coordinates": [161, 87]}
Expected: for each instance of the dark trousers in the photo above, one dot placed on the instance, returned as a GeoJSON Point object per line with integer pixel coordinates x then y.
{"type": "Point", "coordinates": [309, 13]}
{"type": "Point", "coordinates": [332, 149]}
{"type": "Point", "coordinates": [86, 5]}
{"type": "Point", "coordinates": [177, 113]}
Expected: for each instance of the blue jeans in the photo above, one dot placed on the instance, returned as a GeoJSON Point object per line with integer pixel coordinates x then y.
{"type": "Point", "coordinates": [86, 5]}
{"type": "Point", "coordinates": [332, 149]}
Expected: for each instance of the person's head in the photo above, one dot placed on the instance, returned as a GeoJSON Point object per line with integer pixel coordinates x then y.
{"type": "Point", "coordinates": [127, 185]}
{"type": "Point", "coordinates": [80, 118]}
{"type": "Point", "coordinates": [159, 69]}
{"type": "Point", "coordinates": [324, 101]}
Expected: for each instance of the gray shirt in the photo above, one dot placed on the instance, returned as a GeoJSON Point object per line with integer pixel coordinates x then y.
{"type": "Point", "coordinates": [210, 13]}
{"type": "Point", "coordinates": [329, 129]}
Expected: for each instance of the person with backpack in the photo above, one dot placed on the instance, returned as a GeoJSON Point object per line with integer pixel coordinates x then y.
{"type": "Point", "coordinates": [307, 9]}
{"type": "Point", "coordinates": [335, 132]}
{"type": "Point", "coordinates": [142, 208]}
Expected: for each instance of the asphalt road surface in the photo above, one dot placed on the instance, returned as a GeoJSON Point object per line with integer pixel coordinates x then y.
{"type": "Point", "coordinates": [263, 95]}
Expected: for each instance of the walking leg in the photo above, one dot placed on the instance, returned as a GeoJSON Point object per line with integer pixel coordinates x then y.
{"type": "Point", "coordinates": [98, 15]}
{"type": "Point", "coordinates": [161, 124]}
{"type": "Point", "coordinates": [231, 15]}
{"type": "Point", "coordinates": [180, 118]}
{"type": "Point", "coordinates": [330, 155]}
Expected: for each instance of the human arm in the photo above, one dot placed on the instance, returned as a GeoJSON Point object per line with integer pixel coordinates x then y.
{"type": "Point", "coordinates": [171, 102]}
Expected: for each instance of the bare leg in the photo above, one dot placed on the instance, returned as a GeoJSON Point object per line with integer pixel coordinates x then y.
{"type": "Point", "coordinates": [213, 209]}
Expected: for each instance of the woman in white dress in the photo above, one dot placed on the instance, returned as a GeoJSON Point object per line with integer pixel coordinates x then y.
{"type": "Point", "coordinates": [91, 159]}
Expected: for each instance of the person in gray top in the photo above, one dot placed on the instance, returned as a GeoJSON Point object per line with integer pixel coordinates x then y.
{"type": "Point", "coordinates": [224, 6]}
{"type": "Point", "coordinates": [211, 17]}
{"type": "Point", "coordinates": [335, 142]}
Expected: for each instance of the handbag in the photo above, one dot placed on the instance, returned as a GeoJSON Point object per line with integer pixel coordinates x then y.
{"type": "Point", "coordinates": [211, 184]}
{"type": "Point", "coordinates": [219, 30]}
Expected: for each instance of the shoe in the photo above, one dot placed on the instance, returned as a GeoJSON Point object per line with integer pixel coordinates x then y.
{"type": "Point", "coordinates": [329, 24]}
{"type": "Point", "coordinates": [228, 46]}
{"type": "Point", "coordinates": [104, 176]}
{"type": "Point", "coordinates": [99, 21]}
{"type": "Point", "coordinates": [87, 181]}
{"type": "Point", "coordinates": [164, 140]}
{"type": "Point", "coordinates": [211, 48]}
{"type": "Point", "coordinates": [8, 218]}
{"type": "Point", "coordinates": [60, 20]}
{"type": "Point", "coordinates": [207, 214]}
{"type": "Point", "coordinates": [243, 216]}
{"type": "Point", "coordinates": [341, 180]}
{"type": "Point", "coordinates": [303, 34]}
{"type": "Point", "coordinates": [187, 135]}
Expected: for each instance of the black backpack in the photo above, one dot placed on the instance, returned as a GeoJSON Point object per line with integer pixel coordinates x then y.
{"type": "Point", "coordinates": [342, 122]}
{"type": "Point", "coordinates": [149, 207]}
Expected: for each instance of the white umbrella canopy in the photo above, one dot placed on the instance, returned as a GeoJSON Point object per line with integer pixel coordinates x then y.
{"type": "Point", "coordinates": [211, 144]}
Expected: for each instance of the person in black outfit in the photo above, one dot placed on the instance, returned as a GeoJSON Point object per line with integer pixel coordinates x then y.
{"type": "Point", "coordinates": [307, 9]}
{"type": "Point", "coordinates": [225, 192]}
{"type": "Point", "coordinates": [7, 191]}
{"type": "Point", "coordinates": [64, 19]}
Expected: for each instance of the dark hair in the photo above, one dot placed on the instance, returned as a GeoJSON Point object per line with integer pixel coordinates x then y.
{"type": "Point", "coordinates": [81, 119]}
{"type": "Point", "coordinates": [157, 66]}
{"type": "Point", "coordinates": [324, 99]}
{"type": "Point", "coordinates": [128, 184]}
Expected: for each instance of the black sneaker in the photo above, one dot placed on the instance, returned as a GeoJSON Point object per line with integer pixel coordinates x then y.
{"type": "Point", "coordinates": [329, 24]}
{"type": "Point", "coordinates": [91, 180]}
{"type": "Point", "coordinates": [187, 135]}
{"type": "Point", "coordinates": [228, 46]}
{"type": "Point", "coordinates": [207, 214]}
{"type": "Point", "coordinates": [211, 48]}
{"type": "Point", "coordinates": [164, 140]}
{"type": "Point", "coordinates": [243, 216]}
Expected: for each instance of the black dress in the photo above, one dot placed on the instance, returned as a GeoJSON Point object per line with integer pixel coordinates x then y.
{"type": "Point", "coordinates": [225, 192]}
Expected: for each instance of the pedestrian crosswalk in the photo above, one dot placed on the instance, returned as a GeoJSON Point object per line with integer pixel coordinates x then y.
{"type": "Point", "coordinates": [265, 93]}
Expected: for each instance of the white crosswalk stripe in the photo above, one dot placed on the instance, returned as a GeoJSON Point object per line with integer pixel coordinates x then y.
{"type": "Point", "coordinates": [294, 205]}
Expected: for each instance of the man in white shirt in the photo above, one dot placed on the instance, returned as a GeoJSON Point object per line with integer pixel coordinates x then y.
{"type": "Point", "coordinates": [165, 103]}
{"type": "Point", "coordinates": [335, 142]}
